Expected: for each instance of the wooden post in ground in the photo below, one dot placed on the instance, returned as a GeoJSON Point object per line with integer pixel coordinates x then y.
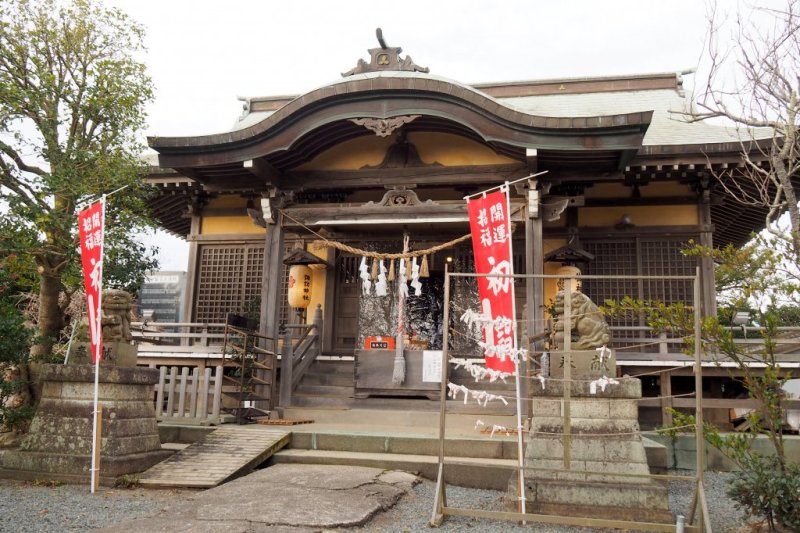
{"type": "Point", "coordinates": [318, 326]}
{"type": "Point", "coordinates": [666, 398]}
{"type": "Point", "coordinates": [287, 369]}
{"type": "Point", "coordinates": [98, 440]}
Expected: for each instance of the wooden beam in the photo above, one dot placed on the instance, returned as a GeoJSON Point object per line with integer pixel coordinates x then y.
{"type": "Point", "coordinates": [650, 231]}
{"type": "Point", "coordinates": [261, 169]}
{"type": "Point", "coordinates": [381, 178]}
{"type": "Point", "coordinates": [532, 159]}
{"type": "Point", "coordinates": [645, 201]}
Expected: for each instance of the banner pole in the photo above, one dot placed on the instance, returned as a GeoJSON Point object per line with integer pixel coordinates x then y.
{"type": "Point", "coordinates": [520, 446]}
{"type": "Point", "coordinates": [96, 438]}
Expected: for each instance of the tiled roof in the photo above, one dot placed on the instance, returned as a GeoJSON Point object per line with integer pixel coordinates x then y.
{"type": "Point", "coordinates": [668, 126]}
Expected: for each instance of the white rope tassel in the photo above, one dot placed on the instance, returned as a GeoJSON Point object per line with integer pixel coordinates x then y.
{"type": "Point", "coordinates": [499, 429]}
{"type": "Point", "coordinates": [381, 285]}
{"type": "Point", "coordinates": [365, 276]}
{"type": "Point", "coordinates": [401, 279]}
{"type": "Point", "coordinates": [479, 372]}
{"type": "Point", "coordinates": [603, 383]}
{"type": "Point", "coordinates": [602, 353]}
{"type": "Point", "coordinates": [416, 284]}
{"type": "Point", "coordinates": [480, 396]}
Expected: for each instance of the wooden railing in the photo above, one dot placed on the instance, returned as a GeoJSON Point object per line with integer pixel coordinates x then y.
{"type": "Point", "coordinates": [178, 336]}
{"type": "Point", "coordinates": [302, 343]}
{"type": "Point", "coordinates": [188, 395]}
{"type": "Point", "coordinates": [641, 340]}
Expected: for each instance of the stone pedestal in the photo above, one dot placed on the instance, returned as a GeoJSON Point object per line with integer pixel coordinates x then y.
{"type": "Point", "coordinates": [604, 441]}
{"type": "Point", "coordinates": [586, 364]}
{"type": "Point", "coordinates": [59, 443]}
{"type": "Point", "coordinates": [115, 353]}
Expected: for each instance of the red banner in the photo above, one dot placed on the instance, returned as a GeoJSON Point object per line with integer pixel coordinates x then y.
{"type": "Point", "coordinates": [90, 228]}
{"type": "Point", "coordinates": [490, 225]}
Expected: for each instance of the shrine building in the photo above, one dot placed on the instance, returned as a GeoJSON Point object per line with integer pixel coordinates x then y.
{"type": "Point", "coordinates": [610, 178]}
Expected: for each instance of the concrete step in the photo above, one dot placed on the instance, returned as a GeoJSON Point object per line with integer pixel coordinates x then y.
{"type": "Point", "coordinates": [325, 390]}
{"type": "Point", "coordinates": [476, 446]}
{"type": "Point", "coordinates": [398, 417]}
{"type": "Point", "coordinates": [300, 399]}
{"type": "Point", "coordinates": [332, 366]}
{"type": "Point", "coordinates": [462, 471]}
{"type": "Point", "coordinates": [325, 378]}
{"type": "Point", "coordinates": [399, 404]}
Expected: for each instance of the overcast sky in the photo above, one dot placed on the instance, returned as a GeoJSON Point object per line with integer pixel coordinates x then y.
{"type": "Point", "coordinates": [203, 53]}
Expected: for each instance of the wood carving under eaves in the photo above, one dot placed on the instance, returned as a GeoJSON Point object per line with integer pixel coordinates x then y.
{"type": "Point", "coordinates": [385, 58]}
{"type": "Point", "coordinates": [195, 205]}
{"type": "Point", "coordinates": [400, 197]}
{"type": "Point", "coordinates": [383, 127]}
{"type": "Point", "coordinates": [401, 154]}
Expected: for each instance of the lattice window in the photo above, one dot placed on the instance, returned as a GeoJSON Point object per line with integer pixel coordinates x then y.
{"type": "Point", "coordinates": [664, 258]}
{"type": "Point", "coordinates": [228, 281]}
{"type": "Point", "coordinates": [643, 257]}
{"type": "Point", "coordinates": [614, 258]}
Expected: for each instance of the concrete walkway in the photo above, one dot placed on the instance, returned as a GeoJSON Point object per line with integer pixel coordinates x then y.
{"type": "Point", "coordinates": [283, 498]}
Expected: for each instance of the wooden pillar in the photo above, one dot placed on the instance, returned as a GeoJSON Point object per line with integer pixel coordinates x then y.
{"type": "Point", "coordinates": [192, 269]}
{"type": "Point", "coordinates": [534, 287]}
{"type": "Point", "coordinates": [328, 308]}
{"type": "Point", "coordinates": [706, 263]}
{"type": "Point", "coordinates": [271, 278]}
{"type": "Point", "coordinates": [666, 401]}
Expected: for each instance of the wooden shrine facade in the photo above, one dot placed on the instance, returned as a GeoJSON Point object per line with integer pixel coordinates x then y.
{"type": "Point", "coordinates": [390, 148]}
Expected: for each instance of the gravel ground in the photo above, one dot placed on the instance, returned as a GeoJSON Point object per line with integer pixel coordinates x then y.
{"type": "Point", "coordinates": [26, 507]}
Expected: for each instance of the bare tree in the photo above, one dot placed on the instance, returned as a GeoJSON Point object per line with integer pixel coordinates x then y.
{"type": "Point", "coordinates": [753, 81]}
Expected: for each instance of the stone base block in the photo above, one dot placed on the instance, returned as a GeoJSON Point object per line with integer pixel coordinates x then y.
{"type": "Point", "coordinates": [45, 463]}
{"type": "Point", "coordinates": [620, 501]}
{"type": "Point", "coordinates": [605, 443]}
{"type": "Point", "coordinates": [59, 443]}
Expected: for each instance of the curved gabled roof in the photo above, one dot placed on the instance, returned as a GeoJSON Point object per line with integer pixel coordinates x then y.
{"type": "Point", "coordinates": [308, 122]}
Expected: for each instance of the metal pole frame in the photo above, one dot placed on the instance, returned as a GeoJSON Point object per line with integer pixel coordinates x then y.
{"type": "Point", "coordinates": [440, 507]}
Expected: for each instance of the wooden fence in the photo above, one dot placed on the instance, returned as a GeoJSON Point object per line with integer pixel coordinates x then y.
{"type": "Point", "coordinates": [188, 395]}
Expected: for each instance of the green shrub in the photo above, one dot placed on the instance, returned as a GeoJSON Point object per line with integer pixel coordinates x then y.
{"type": "Point", "coordinates": [15, 340]}
{"type": "Point", "coordinates": [764, 488]}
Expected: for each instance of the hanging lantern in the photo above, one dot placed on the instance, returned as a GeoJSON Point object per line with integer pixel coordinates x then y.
{"type": "Point", "coordinates": [299, 286]}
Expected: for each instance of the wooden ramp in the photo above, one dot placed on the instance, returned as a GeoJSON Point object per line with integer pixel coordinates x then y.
{"type": "Point", "coordinates": [222, 455]}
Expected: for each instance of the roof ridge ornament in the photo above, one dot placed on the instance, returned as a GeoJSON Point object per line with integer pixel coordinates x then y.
{"type": "Point", "coordinates": [385, 58]}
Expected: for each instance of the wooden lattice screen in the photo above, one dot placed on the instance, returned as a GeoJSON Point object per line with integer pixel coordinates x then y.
{"type": "Point", "coordinates": [228, 281]}
{"type": "Point", "coordinates": [643, 257]}
{"type": "Point", "coordinates": [229, 278]}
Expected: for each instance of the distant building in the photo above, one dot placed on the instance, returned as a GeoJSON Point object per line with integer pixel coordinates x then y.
{"type": "Point", "coordinates": [161, 298]}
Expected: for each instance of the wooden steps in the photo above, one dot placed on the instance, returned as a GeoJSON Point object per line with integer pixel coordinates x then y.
{"type": "Point", "coordinates": [223, 454]}
{"type": "Point", "coordinates": [329, 384]}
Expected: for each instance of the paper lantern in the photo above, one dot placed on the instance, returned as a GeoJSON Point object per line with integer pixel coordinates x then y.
{"type": "Point", "coordinates": [569, 270]}
{"type": "Point", "coordinates": [299, 286]}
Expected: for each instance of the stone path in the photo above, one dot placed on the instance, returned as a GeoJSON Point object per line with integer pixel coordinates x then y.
{"type": "Point", "coordinates": [216, 458]}
{"type": "Point", "coordinates": [283, 498]}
